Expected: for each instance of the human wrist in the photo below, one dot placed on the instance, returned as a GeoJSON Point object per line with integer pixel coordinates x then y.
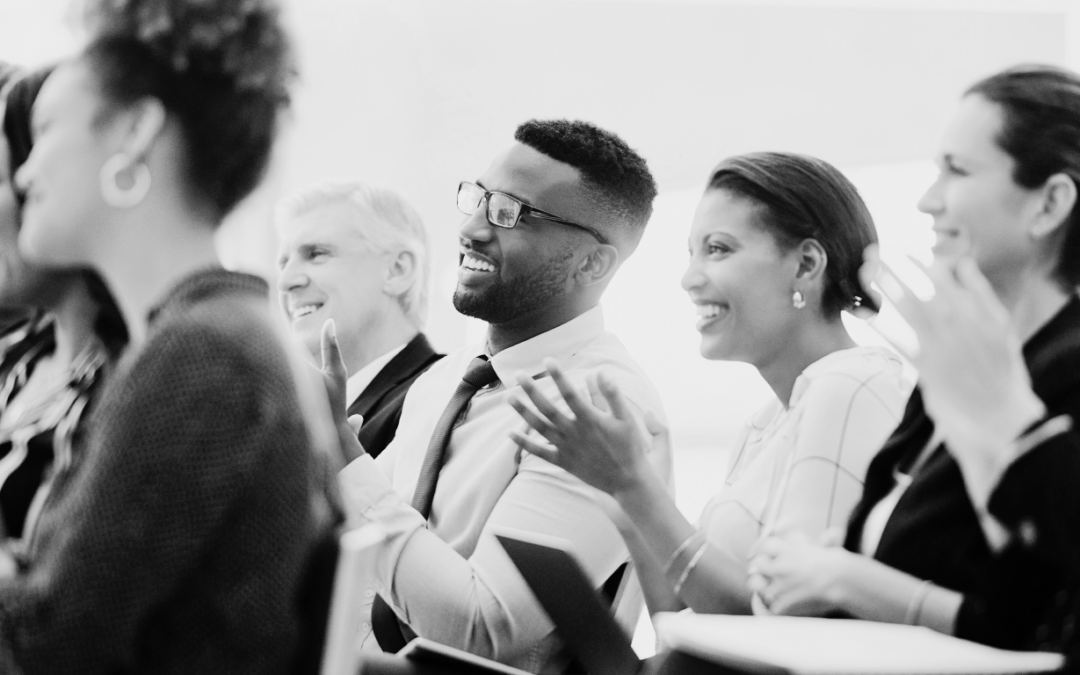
{"type": "Point", "coordinates": [638, 490]}
{"type": "Point", "coordinates": [838, 591]}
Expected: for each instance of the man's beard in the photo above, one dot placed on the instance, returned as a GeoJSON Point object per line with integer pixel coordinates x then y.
{"type": "Point", "coordinates": [504, 301]}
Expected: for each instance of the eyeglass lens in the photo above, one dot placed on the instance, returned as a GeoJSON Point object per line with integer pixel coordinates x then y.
{"type": "Point", "coordinates": [502, 210]}
{"type": "Point", "coordinates": [469, 197]}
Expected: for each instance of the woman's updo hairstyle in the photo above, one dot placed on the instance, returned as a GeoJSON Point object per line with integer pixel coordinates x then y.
{"type": "Point", "coordinates": [800, 197]}
{"type": "Point", "coordinates": [1041, 132]}
{"type": "Point", "coordinates": [222, 68]}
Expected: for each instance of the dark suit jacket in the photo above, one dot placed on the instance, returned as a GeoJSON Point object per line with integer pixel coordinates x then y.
{"type": "Point", "coordinates": [380, 403]}
{"type": "Point", "coordinates": [934, 532]}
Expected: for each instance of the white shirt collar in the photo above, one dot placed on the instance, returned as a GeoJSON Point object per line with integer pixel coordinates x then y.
{"type": "Point", "coordinates": [358, 381]}
{"type": "Point", "coordinates": [560, 342]}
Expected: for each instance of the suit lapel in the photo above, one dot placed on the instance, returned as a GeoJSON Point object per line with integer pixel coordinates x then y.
{"type": "Point", "coordinates": [415, 356]}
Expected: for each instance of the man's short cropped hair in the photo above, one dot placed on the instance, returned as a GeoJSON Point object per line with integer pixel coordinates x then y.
{"type": "Point", "coordinates": [386, 221]}
{"type": "Point", "coordinates": [616, 176]}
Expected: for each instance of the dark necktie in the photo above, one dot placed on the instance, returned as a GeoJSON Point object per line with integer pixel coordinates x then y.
{"type": "Point", "coordinates": [479, 374]}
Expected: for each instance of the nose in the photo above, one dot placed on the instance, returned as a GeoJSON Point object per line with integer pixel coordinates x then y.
{"type": "Point", "coordinates": [291, 277]}
{"type": "Point", "coordinates": [692, 278]}
{"type": "Point", "coordinates": [931, 202]}
{"type": "Point", "coordinates": [476, 227]}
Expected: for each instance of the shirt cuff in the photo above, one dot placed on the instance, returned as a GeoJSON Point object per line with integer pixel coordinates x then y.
{"type": "Point", "coordinates": [369, 497]}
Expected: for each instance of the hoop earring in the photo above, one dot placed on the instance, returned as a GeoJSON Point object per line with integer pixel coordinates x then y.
{"type": "Point", "coordinates": [116, 196]}
{"type": "Point", "coordinates": [797, 300]}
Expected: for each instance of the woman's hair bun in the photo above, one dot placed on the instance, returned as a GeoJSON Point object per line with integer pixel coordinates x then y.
{"type": "Point", "coordinates": [239, 40]}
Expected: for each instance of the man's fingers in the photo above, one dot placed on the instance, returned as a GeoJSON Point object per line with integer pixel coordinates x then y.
{"type": "Point", "coordinates": [331, 351]}
{"type": "Point", "coordinates": [355, 422]}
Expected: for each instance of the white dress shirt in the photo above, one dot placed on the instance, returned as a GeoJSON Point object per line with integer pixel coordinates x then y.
{"type": "Point", "coordinates": [358, 381]}
{"type": "Point", "coordinates": [451, 581]}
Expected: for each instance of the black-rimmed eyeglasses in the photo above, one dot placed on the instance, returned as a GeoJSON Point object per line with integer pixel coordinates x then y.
{"type": "Point", "coordinates": [504, 210]}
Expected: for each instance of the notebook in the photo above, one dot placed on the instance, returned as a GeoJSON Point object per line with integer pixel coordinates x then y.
{"type": "Point", "coordinates": [804, 646]}
{"type": "Point", "coordinates": [581, 618]}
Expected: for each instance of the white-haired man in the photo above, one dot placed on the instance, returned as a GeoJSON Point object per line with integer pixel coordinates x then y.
{"type": "Point", "coordinates": [358, 253]}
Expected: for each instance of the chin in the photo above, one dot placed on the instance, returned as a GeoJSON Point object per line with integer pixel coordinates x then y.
{"type": "Point", "coordinates": [39, 246]}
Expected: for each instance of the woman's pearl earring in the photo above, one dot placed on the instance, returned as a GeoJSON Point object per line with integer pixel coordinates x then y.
{"type": "Point", "coordinates": [797, 300]}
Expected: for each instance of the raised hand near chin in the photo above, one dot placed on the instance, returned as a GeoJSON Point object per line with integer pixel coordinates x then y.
{"type": "Point", "coordinates": [972, 373]}
{"type": "Point", "coordinates": [335, 376]}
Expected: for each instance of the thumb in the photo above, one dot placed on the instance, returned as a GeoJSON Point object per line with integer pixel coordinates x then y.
{"type": "Point", "coordinates": [355, 422]}
{"type": "Point", "coordinates": [332, 362]}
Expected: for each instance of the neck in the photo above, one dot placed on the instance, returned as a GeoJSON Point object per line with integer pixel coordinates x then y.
{"type": "Point", "coordinates": [806, 345]}
{"type": "Point", "coordinates": [1032, 300]}
{"type": "Point", "coordinates": [74, 316]}
{"type": "Point", "coordinates": [393, 331]}
{"type": "Point", "coordinates": [149, 260]}
{"type": "Point", "coordinates": [504, 335]}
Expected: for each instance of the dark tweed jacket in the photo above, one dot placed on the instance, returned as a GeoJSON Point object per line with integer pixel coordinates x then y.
{"type": "Point", "coordinates": [179, 543]}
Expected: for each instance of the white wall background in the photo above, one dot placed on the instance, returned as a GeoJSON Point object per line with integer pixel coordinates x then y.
{"type": "Point", "coordinates": [419, 94]}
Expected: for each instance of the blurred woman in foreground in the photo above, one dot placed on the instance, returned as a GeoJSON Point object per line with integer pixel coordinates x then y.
{"type": "Point", "coordinates": [775, 249]}
{"type": "Point", "coordinates": [920, 549]}
{"type": "Point", "coordinates": [52, 362]}
{"type": "Point", "coordinates": [181, 543]}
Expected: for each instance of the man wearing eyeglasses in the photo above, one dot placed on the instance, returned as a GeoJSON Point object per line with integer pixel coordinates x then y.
{"type": "Point", "coordinates": [547, 225]}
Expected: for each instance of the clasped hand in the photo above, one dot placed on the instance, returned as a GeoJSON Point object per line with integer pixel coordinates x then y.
{"type": "Point", "coordinates": [797, 576]}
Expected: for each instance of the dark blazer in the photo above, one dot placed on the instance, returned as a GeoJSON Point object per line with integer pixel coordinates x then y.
{"type": "Point", "coordinates": [380, 403]}
{"type": "Point", "coordinates": [934, 532]}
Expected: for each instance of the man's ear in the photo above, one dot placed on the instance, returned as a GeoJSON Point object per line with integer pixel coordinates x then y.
{"type": "Point", "coordinates": [1058, 199]}
{"type": "Point", "coordinates": [599, 265]}
{"type": "Point", "coordinates": [400, 273]}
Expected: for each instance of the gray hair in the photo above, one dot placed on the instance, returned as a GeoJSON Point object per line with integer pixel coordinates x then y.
{"type": "Point", "coordinates": [387, 222]}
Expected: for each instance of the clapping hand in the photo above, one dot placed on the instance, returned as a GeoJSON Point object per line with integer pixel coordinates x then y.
{"type": "Point", "coordinates": [971, 369]}
{"type": "Point", "coordinates": [603, 442]}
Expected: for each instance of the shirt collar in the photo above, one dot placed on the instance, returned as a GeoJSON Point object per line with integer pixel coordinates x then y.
{"type": "Point", "coordinates": [559, 342]}
{"type": "Point", "coordinates": [358, 381]}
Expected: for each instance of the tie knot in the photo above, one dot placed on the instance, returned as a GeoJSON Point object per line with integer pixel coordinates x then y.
{"type": "Point", "coordinates": [480, 372]}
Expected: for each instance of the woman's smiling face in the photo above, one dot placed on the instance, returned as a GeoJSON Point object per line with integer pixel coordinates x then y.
{"type": "Point", "coordinates": [977, 206]}
{"type": "Point", "coordinates": [740, 279]}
